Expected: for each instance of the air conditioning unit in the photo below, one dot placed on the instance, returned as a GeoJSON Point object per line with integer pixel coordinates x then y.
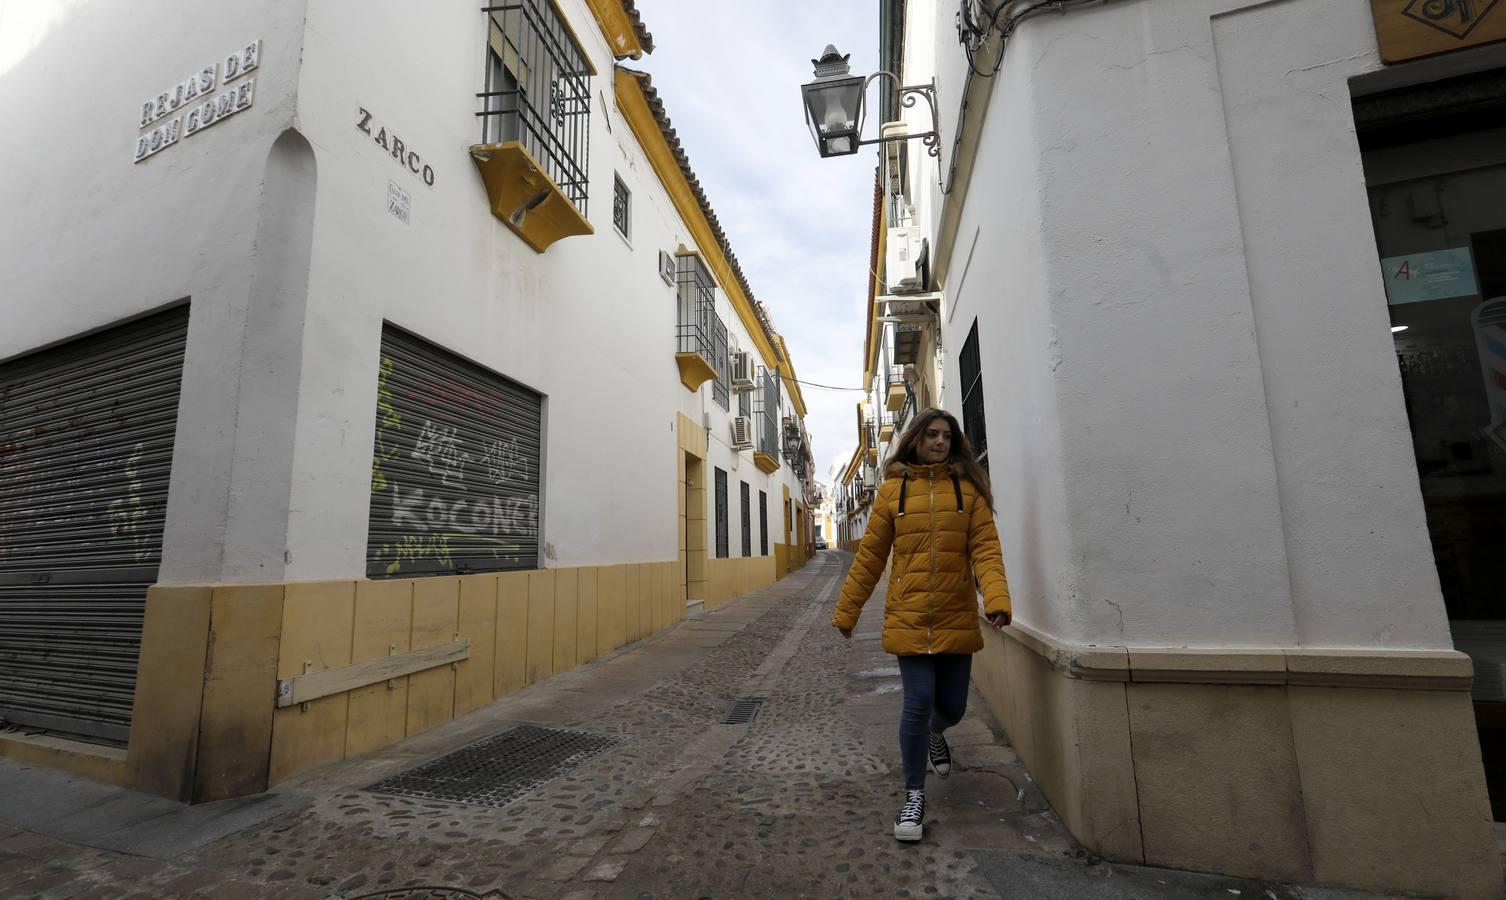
{"type": "Point", "coordinates": [742, 371]}
{"type": "Point", "coordinates": [742, 432]}
{"type": "Point", "coordinates": [902, 269]}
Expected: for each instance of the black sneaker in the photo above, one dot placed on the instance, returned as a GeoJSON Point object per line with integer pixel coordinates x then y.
{"type": "Point", "coordinates": [939, 755]}
{"type": "Point", "coordinates": [907, 825]}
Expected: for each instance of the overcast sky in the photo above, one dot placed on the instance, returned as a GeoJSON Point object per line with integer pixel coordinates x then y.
{"type": "Point", "coordinates": [729, 75]}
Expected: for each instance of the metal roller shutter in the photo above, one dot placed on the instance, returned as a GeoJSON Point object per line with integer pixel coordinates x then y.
{"type": "Point", "coordinates": [455, 469]}
{"type": "Point", "coordinates": [86, 446]}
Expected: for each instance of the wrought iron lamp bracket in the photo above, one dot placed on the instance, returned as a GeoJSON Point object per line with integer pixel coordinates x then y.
{"type": "Point", "coordinates": [909, 95]}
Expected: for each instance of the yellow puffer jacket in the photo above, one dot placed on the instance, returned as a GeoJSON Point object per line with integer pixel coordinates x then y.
{"type": "Point", "coordinates": [944, 533]}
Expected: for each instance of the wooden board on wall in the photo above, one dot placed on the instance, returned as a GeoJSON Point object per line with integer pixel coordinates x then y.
{"type": "Point", "coordinates": [511, 671]}
{"type": "Point", "coordinates": [383, 626]}
{"type": "Point", "coordinates": [645, 600]}
{"type": "Point", "coordinates": [611, 625]}
{"type": "Point", "coordinates": [235, 731]}
{"type": "Point", "coordinates": [586, 625]}
{"type": "Point", "coordinates": [1413, 29]}
{"type": "Point", "coordinates": [169, 692]}
{"type": "Point", "coordinates": [317, 624]}
{"type": "Point", "coordinates": [436, 619]}
{"type": "Point", "coordinates": [566, 618]}
{"type": "Point", "coordinates": [540, 625]}
{"type": "Point", "coordinates": [478, 624]}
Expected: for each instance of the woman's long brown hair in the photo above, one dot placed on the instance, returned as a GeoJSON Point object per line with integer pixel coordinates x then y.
{"type": "Point", "coordinates": [963, 462]}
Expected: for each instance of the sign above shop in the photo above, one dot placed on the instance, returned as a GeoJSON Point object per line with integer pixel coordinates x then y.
{"type": "Point", "coordinates": [1412, 29]}
{"type": "Point", "coordinates": [197, 91]}
{"type": "Point", "coordinates": [1436, 275]}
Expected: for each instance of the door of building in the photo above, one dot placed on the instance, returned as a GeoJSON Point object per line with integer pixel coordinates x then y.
{"type": "Point", "coordinates": [86, 448]}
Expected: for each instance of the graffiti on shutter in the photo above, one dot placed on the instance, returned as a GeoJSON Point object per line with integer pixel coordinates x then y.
{"type": "Point", "coordinates": [455, 465]}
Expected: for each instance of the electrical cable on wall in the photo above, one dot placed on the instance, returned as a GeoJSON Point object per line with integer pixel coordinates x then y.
{"type": "Point", "coordinates": [973, 32]}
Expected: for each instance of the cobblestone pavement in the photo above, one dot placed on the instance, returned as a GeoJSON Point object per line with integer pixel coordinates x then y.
{"type": "Point", "coordinates": [797, 803]}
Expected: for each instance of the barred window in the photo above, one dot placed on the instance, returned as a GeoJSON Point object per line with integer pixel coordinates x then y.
{"type": "Point", "coordinates": [621, 199]}
{"type": "Point", "coordinates": [721, 514]}
{"type": "Point", "coordinates": [763, 523]}
{"type": "Point", "coordinates": [722, 362]}
{"type": "Point", "coordinates": [766, 411]}
{"type": "Point", "coordinates": [538, 91]}
{"type": "Point", "coordinates": [747, 522]}
{"type": "Point", "coordinates": [970, 367]}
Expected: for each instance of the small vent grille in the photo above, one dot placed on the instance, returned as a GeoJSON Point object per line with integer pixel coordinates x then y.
{"type": "Point", "coordinates": [743, 711]}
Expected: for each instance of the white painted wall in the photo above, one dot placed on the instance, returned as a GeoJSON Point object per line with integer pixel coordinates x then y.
{"type": "Point", "coordinates": [93, 237]}
{"type": "Point", "coordinates": [1196, 422]}
{"type": "Point", "coordinates": [272, 467]}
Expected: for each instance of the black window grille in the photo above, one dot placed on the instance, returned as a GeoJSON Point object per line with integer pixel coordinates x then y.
{"type": "Point", "coordinates": [763, 523]}
{"type": "Point", "coordinates": [971, 370]}
{"type": "Point", "coordinates": [621, 203]}
{"type": "Point", "coordinates": [721, 514]}
{"type": "Point", "coordinates": [745, 403]}
{"type": "Point", "coordinates": [538, 92]}
{"type": "Point", "coordinates": [747, 522]}
{"type": "Point", "coordinates": [698, 320]}
{"type": "Point", "coordinates": [722, 363]}
{"type": "Point", "coordinates": [766, 412]}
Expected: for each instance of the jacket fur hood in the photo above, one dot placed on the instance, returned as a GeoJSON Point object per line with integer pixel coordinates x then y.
{"type": "Point", "coordinates": [894, 469]}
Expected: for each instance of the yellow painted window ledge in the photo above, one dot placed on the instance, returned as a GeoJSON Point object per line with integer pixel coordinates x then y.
{"type": "Point", "coordinates": [895, 400]}
{"type": "Point", "coordinates": [694, 370]}
{"type": "Point", "coordinates": [765, 463]}
{"type": "Point", "coordinates": [526, 199]}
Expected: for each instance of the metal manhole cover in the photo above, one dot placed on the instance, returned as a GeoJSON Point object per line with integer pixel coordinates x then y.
{"type": "Point", "coordinates": [497, 770]}
{"type": "Point", "coordinates": [743, 711]}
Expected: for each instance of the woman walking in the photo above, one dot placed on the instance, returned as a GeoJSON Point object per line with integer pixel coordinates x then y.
{"type": "Point", "coordinates": [935, 510]}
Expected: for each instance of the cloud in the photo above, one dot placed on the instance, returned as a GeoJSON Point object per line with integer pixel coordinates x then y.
{"type": "Point", "coordinates": [730, 76]}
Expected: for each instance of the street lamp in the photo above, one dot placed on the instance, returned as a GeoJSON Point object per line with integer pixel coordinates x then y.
{"type": "Point", "coordinates": [835, 100]}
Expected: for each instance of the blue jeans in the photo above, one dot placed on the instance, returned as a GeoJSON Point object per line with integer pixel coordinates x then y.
{"type": "Point", "coordinates": [935, 699]}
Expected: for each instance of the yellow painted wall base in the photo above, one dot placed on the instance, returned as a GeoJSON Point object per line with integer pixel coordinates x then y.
{"type": "Point", "coordinates": [96, 763]}
{"type": "Point", "coordinates": [205, 726]}
{"type": "Point", "coordinates": [1339, 767]}
{"type": "Point", "coordinates": [729, 578]}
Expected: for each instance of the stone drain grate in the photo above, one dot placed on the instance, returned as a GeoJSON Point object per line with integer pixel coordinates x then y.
{"type": "Point", "coordinates": [743, 711]}
{"type": "Point", "coordinates": [498, 770]}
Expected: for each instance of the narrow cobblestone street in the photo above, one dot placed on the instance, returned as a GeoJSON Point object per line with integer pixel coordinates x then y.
{"type": "Point", "coordinates": [796, 803]}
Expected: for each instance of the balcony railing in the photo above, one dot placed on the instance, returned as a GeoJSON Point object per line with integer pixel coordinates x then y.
{"type": "Point", "coordinates": [696, 335]}
{"type": "Point", "coordinates": [766, 411]}
{"type": "Point", "coordinates": [539, 92]}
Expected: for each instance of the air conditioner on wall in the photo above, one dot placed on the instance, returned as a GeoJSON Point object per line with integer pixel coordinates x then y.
{"type": "Point", "coordinates": [742, 432]}
{"type": "Point", "coordinates": [742, 371]}
{"type": "Point", "coordinates": [902, 270]}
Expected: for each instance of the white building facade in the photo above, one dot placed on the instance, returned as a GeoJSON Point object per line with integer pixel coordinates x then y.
{"type": "Point", "coordinates": [1245, 525]}
{"type": "Point", "coordinates": [340, 357]}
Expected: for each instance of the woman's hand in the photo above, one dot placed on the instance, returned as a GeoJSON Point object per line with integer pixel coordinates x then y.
{"type": "Point", "coordinates": [998, 620]}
